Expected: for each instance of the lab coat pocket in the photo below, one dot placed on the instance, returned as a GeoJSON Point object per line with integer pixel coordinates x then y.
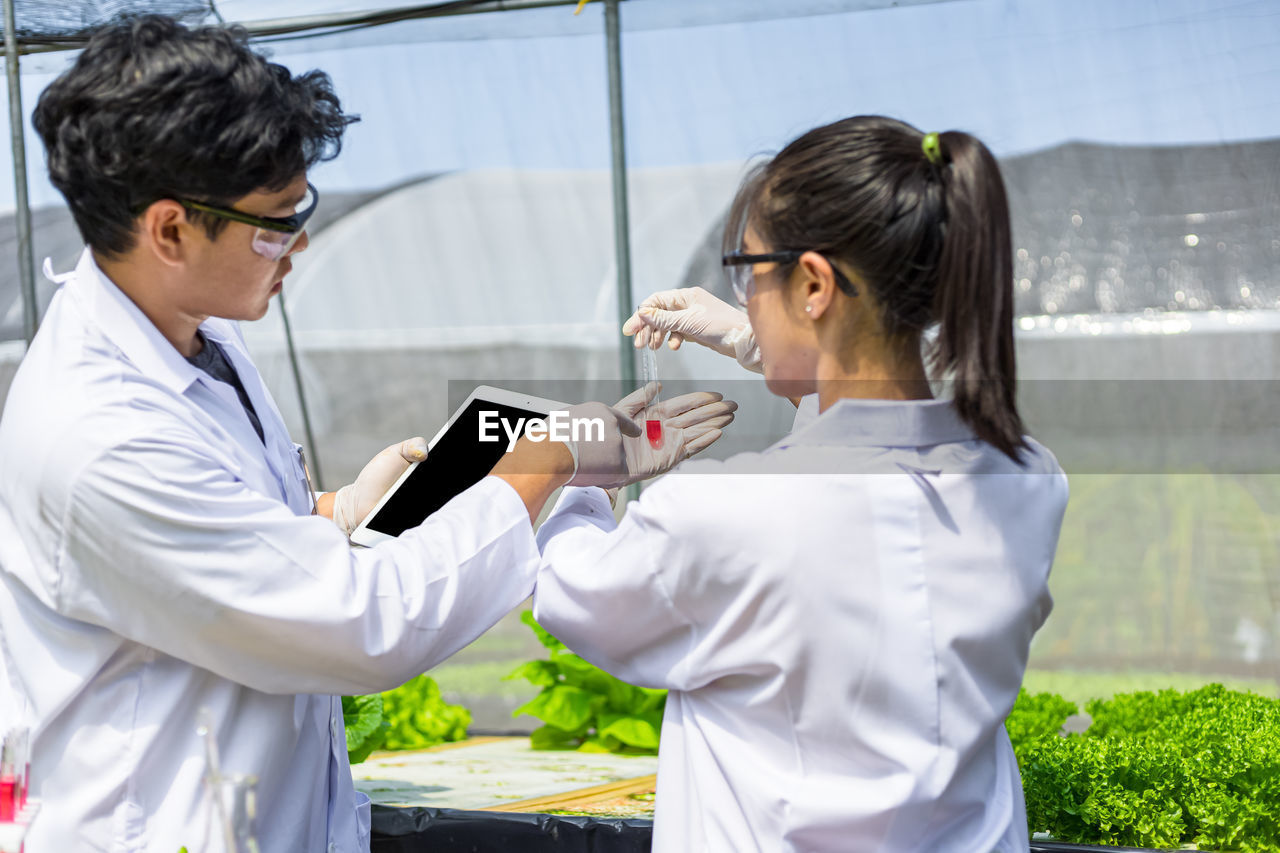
{"type": "Point", "coordinates": [364, 809]}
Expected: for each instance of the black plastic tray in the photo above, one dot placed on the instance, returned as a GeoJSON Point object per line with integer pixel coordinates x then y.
{"type": "Point", "coordinates": [428, 830]}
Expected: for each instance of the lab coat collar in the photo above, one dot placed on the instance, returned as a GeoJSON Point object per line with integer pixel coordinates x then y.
{"type": "Point", "coordinates": [107, 306]}
{"type": "Point", "coordinates": [883, 423]}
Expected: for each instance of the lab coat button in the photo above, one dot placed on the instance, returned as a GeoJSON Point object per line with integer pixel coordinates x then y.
{"type": "Point", "coordinates": [333, 848]}
{"type": "Point", "coordinates": [334, 727]}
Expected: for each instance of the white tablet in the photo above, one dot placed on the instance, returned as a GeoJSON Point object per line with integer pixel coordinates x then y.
{"type": "Point", "coordinates": [457, 459]}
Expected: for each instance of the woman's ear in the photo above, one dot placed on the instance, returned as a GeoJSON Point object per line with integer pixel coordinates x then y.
{"type": "Point", "coordinates": [165, 231]}
{"type": "Point", "coordinates": [817, 284]}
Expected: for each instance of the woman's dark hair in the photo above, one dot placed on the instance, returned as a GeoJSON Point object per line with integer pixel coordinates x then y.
{"type": "Point", "coordinates": [152, 110]}
{"type": "Point", "coordinates": [931, 240]}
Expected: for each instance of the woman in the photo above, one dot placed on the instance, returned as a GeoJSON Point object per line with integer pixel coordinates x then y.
{"type": "Point", "coordinates": [843, 619]}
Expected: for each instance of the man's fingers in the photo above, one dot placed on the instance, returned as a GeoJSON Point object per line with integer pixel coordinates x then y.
{"type": "Point", "coordinates": [413, 449]}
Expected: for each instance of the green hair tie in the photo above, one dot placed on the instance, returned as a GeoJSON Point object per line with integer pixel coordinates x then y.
{"type": "Point", "coordinates": [932, 146]}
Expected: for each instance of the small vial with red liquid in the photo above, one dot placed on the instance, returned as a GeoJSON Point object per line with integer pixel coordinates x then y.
{"type": "Point", "coordinates": [652, 422]}
{"type": "Point", "coordinates": [10, 790]}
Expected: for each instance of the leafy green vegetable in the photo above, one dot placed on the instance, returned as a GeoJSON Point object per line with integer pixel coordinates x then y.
{"type": "Point", "coordinates": [583, 706]}
{"type": "Point", "coordinates": [1155, 769]}
{"type": "Point", "coordinates": [366, 727]}
{"type": "Point", "coordinates": [419, 717]}
{"type": "Point", "coordinates": [412, 716]}
{"type": "Point", "coordinates": [1036, 716]}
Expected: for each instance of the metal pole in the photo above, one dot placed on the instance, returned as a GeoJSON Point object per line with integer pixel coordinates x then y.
{"type": "Point", "coordinates": [312, 453]}
{"type": "Point", "coordinates": [621, 220]}
{"type": "Point", "coordinates": [26, 265]}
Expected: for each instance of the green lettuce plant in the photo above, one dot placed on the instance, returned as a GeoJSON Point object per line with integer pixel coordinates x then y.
{"type": "Point", "coordinates": [1155, 770]}
{"type": "Point", "coordinates": [413, 716]}
{"type": "Point", "coordinates": [366, 725]}
{"type": "Point", "coordinates": [1036, 715]}
{"type": "Point", "coordinates": [585, 708]}
{"type": "Point", "coordinates": [419, 717]}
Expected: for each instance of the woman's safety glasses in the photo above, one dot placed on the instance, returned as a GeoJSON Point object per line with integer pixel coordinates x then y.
{"type": "Point", "coordinates": [742, 278]}
{"type": "Point", "coordinates": [274, 236]}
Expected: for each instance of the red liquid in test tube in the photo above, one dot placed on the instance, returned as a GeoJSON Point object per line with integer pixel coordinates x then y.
{"type": "Point", "coordinates": [8, 798]}
{"type": "Point", "coordinates": [652, 424]}
{"type": "Point", "coordinates": [9, 790]}
{"type": "Point", "coordinates": [653, 428]}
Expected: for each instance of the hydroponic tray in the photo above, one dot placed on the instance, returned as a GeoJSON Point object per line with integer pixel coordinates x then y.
{"type": "Point", "coordinates": [492, 795]}
{"type": "Point", "coordinates": [489, 772]}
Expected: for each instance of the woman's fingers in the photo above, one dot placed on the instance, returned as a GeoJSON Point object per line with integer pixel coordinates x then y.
{"type": "Point", "coordinates": [702, 439]}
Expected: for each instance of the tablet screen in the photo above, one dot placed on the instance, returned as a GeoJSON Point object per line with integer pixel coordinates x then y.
{"type": "Point", "coordinates": [457, 461]}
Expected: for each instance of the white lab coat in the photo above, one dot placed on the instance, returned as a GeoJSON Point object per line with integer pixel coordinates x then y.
{"type": "Point", "coordinates": [157, 559]}
{"type": "Point", "coordinates": [843, 621]}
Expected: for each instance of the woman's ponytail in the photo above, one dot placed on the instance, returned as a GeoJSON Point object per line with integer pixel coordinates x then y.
{"type": "Point", "coordinates": [973, 302]}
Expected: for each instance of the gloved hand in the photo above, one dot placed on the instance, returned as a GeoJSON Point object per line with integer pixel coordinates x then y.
{"type": "Point", "coordinates": [690, 423]}
{"type": "Point", "coordinates": [353, 502]}
{"type": "Point", "coordinates": [694, 314]}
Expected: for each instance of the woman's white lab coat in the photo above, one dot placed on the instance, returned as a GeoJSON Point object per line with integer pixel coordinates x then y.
{"type": "Point", "coordinates": [843, 621]}
{"type": "Point", "coordinates": [157, 558]}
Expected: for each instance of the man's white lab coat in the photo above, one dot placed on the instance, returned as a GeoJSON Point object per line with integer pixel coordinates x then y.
{"type": "Point", "coordinates": [157, 559]}
{"type": "Point", "coordinates": [843, 621]}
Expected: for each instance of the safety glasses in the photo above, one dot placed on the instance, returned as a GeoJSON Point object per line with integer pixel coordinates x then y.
{"type": "Point", "coordinates": [738, 266]}
{"type": "Point", "coordinates": [274, 236]}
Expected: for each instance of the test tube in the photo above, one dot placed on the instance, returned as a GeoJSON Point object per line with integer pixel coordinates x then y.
{"type": "Point", "coordinates": [8, 780]}
{"type": "Point", "coordinates": [652, 423]}
{"type": "Point", "coordinates": [24, 740]}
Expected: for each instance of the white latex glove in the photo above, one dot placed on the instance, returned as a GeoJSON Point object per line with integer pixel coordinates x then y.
{"type": "Point", "coordinates": [353, 502]}
{"type": "Point", "coordinates": [691, 313]}
{"type": "Point", "coordinates": [690, 423]}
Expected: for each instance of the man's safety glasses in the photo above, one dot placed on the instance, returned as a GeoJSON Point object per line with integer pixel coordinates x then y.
{"type": "Point", "coordinates": [275, 235]}
{"type": "Point", "coordinates": [742, 278]}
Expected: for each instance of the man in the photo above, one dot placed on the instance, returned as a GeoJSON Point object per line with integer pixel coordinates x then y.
{"type": "Point", "coordinates": [160, 553]}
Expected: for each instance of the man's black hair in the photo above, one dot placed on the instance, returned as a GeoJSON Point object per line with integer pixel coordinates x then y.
{"type": "Point", "coordinates": [153, 110]}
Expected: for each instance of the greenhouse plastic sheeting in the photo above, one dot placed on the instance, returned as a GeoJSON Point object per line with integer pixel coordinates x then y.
{"type": "Point", "coordinates": [39, 19]}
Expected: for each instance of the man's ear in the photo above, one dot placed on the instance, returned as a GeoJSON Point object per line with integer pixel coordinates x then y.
{"type": "Point", "coordinates": [165, 231]}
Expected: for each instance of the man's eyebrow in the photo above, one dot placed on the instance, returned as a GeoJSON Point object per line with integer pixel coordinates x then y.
{"type": "Point", "coordinates": [293, 202]}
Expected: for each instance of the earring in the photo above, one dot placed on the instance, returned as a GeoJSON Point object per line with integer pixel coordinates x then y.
{"type": "Point", "coordinates": [808, 309]}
